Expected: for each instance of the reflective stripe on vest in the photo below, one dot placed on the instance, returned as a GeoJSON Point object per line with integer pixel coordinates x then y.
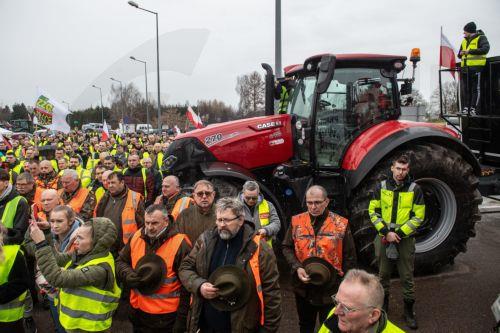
{"type": "Point", "coordinates": [472, 59]}
{"type": "Point", "coordinates": [326, 244]}
{"type": "Point", "coordinates": [264, 217]}
{"type": "Point", "coordinates": [129, 225]}
{"type": "Point", "coordinates": [180, 205]}
{"type": "Point", "coordinates": [166, 299]}
{"type": "Point", "coordinates": [254, 265]}
{"type": "Point", "coordinates": [13, 310]}
{"type": "Point", "coordinates": [9, 212]}
{"type": "Point", "coordinates": [78, 200]}
{"type": "Point", "coordinates": [159, 160]}
{"type": "Point", "coordinates": [403, 212]}
{"type": "Point", "coordinates": [89, 308]}
{"type": "Point", "coordinates": [283, 104]}
{"type": "Point", "coordinates": [389, 327]}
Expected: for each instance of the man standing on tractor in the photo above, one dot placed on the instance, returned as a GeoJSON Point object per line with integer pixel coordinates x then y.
{"type": "Point", "coordinates": [472, 53]}
{"type": "Point", "coordinates": [396, 211]}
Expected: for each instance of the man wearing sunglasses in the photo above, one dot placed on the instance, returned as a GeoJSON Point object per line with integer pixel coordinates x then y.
{"type": "Point", "coordinates": [193, 221]}
{"type": "Point", "coordinates": [358, 306]}
{"type": "Point", "coordinates": [317, 233]}
{"type": "Point", "coordinates": [260, 211]}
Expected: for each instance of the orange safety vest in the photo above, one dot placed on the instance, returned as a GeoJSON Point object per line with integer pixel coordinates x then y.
{"type": "Point", "coordinates": [38, 195]}
{"type": "Point", "coordinates": [327, 244]}
{"type": "Point", "coordinates": [180, 205]}
{"type": "Point", "coordinates": [38, 213]}
{"type": "Point", "coordinates": [167, 298]}
{"type": "Point", "coordinates": [51, 184]}
{"type": "Point", "coordinates": [129, 225]}
{"type": "Point", "coordinates": [254, 265]}
{"type": "Point", "coordinates": [78, 200]}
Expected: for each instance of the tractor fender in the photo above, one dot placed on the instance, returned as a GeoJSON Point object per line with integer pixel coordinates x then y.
{"type": "Point", "coordinates": [359, 161]}
{"type": "Point", "coordinates": [233, 171]}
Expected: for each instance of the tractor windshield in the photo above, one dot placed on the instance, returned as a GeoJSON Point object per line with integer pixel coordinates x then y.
{"type": "Point", "coordinates": [355, 99]}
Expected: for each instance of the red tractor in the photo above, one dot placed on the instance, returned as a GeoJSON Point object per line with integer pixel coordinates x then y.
{"type": "Point", "coordinates": [341, 130]}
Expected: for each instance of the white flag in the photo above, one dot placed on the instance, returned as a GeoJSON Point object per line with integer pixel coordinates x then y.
{"type": "Point", "coordinates": [50, 113]}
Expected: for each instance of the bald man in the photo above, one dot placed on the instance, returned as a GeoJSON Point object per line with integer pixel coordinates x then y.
{"type": "Point", "coordinates": [171, 197]}
{"type": "Point", "coordinates": [318, 232]}
{"type": "Point", "coordinates": [47, 178]}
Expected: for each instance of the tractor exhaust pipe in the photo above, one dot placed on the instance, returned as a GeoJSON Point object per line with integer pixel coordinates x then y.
{"type": "Point", "coordinates": [269, 79]}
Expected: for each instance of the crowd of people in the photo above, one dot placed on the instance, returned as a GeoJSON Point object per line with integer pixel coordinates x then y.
{"type": "Point", "coordinates": [89, 225]}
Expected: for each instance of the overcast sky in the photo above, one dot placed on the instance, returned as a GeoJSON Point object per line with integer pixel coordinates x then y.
{"type": "Point", "coordinates": [65, 46]}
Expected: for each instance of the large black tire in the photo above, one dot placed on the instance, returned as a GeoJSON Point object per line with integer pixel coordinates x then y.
{"type": "Point", "coordinates": [451, 197]}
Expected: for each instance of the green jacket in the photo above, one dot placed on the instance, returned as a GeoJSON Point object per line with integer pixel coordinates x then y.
{"type": "Point", "coordinates": [99, 276]}
{"type": "Point", "coordinates": [397, 207]}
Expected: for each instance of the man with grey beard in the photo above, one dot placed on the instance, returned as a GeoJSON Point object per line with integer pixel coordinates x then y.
{"type": "Point", "coordinates": [232, 242]}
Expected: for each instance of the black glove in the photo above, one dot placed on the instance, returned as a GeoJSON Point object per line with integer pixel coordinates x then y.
{"type": "Point", "coordinates": [133, 280]}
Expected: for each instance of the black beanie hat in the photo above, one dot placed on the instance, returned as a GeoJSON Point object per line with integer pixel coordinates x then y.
{"type": "Point", "coordinates": [470, 27]}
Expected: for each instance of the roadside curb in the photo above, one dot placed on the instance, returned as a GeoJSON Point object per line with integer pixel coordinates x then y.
{"type": "Point", "coordinates": [489, 206]}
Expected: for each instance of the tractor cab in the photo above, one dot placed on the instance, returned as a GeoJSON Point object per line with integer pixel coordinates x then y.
{"type": "Point", "coordinates": [354, 99]}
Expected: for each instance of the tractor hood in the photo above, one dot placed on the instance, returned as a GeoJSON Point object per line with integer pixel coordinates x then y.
{"type": "Point", "coordinates": [250, 143]}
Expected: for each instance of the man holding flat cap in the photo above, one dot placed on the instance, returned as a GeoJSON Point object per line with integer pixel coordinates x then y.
{"type": "Point", "coordinates": [149, 265]}
{"type": "Point", "coordinates": [319, 248]}
{"type": "Point", "coordinates": [232, 275]}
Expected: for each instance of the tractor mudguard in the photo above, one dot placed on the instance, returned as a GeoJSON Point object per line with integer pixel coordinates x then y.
{"type": "Point", "coordinates": [366, 151]}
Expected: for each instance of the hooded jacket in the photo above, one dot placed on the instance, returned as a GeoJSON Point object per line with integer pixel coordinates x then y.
{"type": "Point", "coordinates": [100, 276]}
{"type": "Point", "coordinates": [274, 225]}
{"type": "Point", "coordinates": [194, 271]}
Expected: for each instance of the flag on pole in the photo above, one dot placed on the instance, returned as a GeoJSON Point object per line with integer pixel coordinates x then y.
{"type": "Point", "coordinates": [447, 54]}
{"type": "Point", "coordinates": [194, 118]}
{"type": "Point", "coordinates": [7, 142]}
{"type": "Point", "coordinates": [105, 131]}
{"type": "Point", "coordinates": [50, 113]}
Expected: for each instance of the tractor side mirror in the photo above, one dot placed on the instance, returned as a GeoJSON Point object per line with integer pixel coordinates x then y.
{"type": "Point", "coordinates": [326, 69]}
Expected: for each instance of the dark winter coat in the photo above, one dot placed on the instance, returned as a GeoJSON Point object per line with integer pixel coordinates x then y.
{"type": "Point", "coordinates": [194, 272]}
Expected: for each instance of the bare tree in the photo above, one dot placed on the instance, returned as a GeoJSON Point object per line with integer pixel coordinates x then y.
{"type": "Point", "coordinates": [450, 99]}
{"type": "Point", "coordinates": [130, 101]}
{"type": "Point", "coordinates": [251, 88]}
{"type": "Point", "coordinates": [214, 111]}
{"type": "Point", "coordinates": [415, 99]}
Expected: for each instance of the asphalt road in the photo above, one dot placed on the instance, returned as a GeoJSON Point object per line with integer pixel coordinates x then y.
{"type": "Point", "coordinates": [456, 300]}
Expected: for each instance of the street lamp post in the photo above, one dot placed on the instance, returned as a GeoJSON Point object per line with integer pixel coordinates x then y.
{"type": "Point", "coordinates": [102, 108]}
{"type": "Point", "coordinates": [134, 4]}
{"type": "Point", "coordinates": [121, 94]}
{"type": "Point", "coordinates": [146, 78]}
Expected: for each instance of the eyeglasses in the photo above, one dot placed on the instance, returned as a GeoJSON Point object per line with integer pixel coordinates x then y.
{"type": "Point", "coordinates": [226, 221]}
{"type": "Point", "coordinates": [251, 198]}
{"type": "Point", "coordinates": [315, 203]}
{"type": "Point", "coordinates": [345, 309]}
{"type": "Point", "coordinates": [201, 194]}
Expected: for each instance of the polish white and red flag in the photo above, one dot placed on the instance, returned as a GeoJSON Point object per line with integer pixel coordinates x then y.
{"type": "Point", "coordinates": [105, 131]}
{"type": "Point", "coordinates": [447, 56]}
{"type": "Point", "coordinates": [194, 118]}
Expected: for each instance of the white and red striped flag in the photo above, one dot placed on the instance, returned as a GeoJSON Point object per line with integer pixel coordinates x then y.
{"type": "Point", "coordinates": [105, 131]}
{"type": "Point", "coordinates": [447, 55]}
{"type": "Point", "coordinates": [194, 118]}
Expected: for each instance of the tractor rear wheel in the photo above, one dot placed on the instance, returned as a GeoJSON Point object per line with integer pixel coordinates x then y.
{"type": "Point", "coordinates": [451, 198]}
